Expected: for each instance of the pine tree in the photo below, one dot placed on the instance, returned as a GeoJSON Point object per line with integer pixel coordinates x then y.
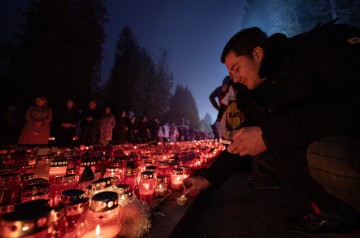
{"type": "Point", "coordinates": [137, 82]}
{"type": "Point", "coordinates": [59, 50]}
{"type": "Point", "coordinates": [183, 105]}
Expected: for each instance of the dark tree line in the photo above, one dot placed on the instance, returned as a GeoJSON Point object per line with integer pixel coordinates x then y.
{"type": "Point", "coordinates": [58, 54]}
{"type": "Point", "coordinates": [138, 82]}
{"type": "Point", "coordinates": [183, 104]}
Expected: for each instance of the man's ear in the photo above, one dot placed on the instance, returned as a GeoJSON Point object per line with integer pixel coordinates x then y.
{"type": "Point", "coordinates": [258, 54]}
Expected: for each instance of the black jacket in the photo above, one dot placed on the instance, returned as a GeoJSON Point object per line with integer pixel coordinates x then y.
{"type": "Point", "coordinates": [312, 87]}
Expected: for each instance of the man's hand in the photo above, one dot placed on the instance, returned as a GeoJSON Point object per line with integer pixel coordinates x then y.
{"type": "Point", "coordinates": [192, 184]}
{"type": "Point", "coordinates": [247, 141]}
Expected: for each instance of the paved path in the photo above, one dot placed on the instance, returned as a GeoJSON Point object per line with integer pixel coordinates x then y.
{"type": "Point", "coordinates": [236, 210]}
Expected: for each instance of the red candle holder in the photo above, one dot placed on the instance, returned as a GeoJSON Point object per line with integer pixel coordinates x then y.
{"type": "Point", "coordinates": [177, 179]}
{"type": "Point", "coordinates": [146, 186]}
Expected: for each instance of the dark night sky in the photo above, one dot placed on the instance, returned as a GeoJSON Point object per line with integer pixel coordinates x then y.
{"type": "Point", "coordinates": [194, 33]}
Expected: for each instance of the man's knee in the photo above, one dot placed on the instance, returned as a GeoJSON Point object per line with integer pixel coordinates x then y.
{"type": "Point", "coordinates": [334, 162]}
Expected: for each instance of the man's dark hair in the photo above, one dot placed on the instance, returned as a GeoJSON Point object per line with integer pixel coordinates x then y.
{"type": "Point", "coordinates": [244, 42]}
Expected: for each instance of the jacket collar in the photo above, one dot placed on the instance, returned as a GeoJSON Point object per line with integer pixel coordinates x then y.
{"type": "Point", "coordinates": [274, 54]}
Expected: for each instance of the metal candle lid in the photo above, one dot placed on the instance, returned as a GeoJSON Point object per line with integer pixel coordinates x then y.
{"type": "Point", "coordinates": [71, 196]}
{"type": "Point", "coordinates": [26, 177]}
{"type": "Point", "coordinates": [69, 178]}
{"type": "Point", "coordinates": [177, 171]}
{"type": "Point", "coordinates": [26, 222]}
{"type": "Point", "coordinates": [104, 201]}
{"type": "Point", "coordinates": [35, 187]}
{"type": "Point", "coordinates": [81, 206]}
{"type": "Point", "coordinates": [112, 170]}
{"type": "Point", "coordinates": [130, 170]}
{"type": "Point", "coordinates": [102, 183]}
{"type": "Point", "coordinates": [147, 175]}
{"type": "Point", "coordinates": [88, 162]}
{"type": "Point", "coordinates": [164, 164]}
{"type": "Point", "coordinates": [58, 162]}
{"type": "Point", "coordinates": [150, 168]}
{"type": "Point", "coordinates": [124, 189]}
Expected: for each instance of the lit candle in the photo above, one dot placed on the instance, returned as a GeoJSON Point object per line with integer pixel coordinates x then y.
{"type": "Point", "coordinates": [146, 186]}
{"type": "Point", "coordinates": [110, 231]}
{"type": "Point", "coordinates": [177, 179]}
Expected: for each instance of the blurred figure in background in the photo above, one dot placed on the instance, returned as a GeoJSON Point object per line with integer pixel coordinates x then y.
{"type": "Point", "coordinates": [121, 128]}
{"type": "Point", "coordinates": [219, 93]}
{"type": "Point", "coordinates": [37, 126]}
{"type": "Point", "coordinates": [107, 124]}
{"type": "Point", "coordinates": [69, 120]}
{"type": "Point", "coordinates": [90, 118]}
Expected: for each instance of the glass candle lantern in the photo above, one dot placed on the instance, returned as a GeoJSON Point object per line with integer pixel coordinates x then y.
{"type": "Point", "coordinates": [36, 188]}
{"type": "Point", "coordinates": [30, 223]}
{"type": "Point", "coordinates": [161, 185]}
{"type": "Point", "coordinates": [125, 194]}
{"type": "Point", "coordinates": [61, 183]}
{"type": "Point", "coordinates": [186, 171]}
{"type": "Point", "coordinates": [144, 164]}
{"type": "Point", "coordinates": [76, 208]}
{"type": "Point", "coordinates": [164, 168]}
{"type": "Point", "coordinates": [151, 168]}
{"type": "Point", "coordinates": [105, 216]}
{"type": "Point", "coordinates": [177, 179]}
{"type": "Point", "coordinates": [146, 186]}
{"type": "Point", "coordinates": [130, 176]}
{"type": "Point", "coordinates": [9, 188]}
{"type": "Point", "coordinates": [42, 167]}
{"type": "Point", "coordinates": [58, 167]}
{"type": "Point", "coordinates": [113, 172]}
{"type": "Point", "coordinates": [101, 185]}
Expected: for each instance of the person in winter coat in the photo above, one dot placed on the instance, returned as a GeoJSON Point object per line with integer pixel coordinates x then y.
{"type": "Point", "coordinates": [107, 124]}
{"type": "Point", "coordinates": [90, 119]}
{"type": "Point", "coordinates": [303, 81]}
{"type": "Point", "coordinates": [69, 120]}
{"type": "Point", "coordinates": [37, 127]}
{"type": "Point", "coordinates": [121, 128]}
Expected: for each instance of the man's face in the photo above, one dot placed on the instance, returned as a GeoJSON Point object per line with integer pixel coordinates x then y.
{"type": "Point", "coordinates": [243, 69]}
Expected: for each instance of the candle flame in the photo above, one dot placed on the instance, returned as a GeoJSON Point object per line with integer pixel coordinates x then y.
{"type": "Point", "coordinates": [97, 230]}
{"type": "Point", "coordinates": [146, 186]}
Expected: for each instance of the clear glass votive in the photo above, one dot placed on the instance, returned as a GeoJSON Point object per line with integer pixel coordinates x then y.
{"type": "Point", "coordinates": [177, 179]}
{"type": "Point", "coordinates": [10, 185]}
{"type": "Point", "coordinates": [76, 208]}
{"type": "Point", "coordinates": [58, 167]}
{"type": "Point", "coordinates": [61, 183]}
{"type": "Point", "coordinates": [146, 186]}
{"type": "Point", "coordinates": [36, 188]}
{"type": "Point", "coordinates": [105, 216]}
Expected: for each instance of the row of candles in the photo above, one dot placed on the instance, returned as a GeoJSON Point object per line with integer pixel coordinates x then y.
{"type": "Point", "coordinates": [90, 183]}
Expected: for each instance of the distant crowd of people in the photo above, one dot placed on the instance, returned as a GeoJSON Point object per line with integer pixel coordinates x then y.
{"type": "Point", "coordinates": [88, 126]}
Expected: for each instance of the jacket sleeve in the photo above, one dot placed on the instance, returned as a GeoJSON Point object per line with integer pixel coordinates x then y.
{"type": "Point", "coordinates": [224, 166]}
{"type": "Point", "coordinates": [213, 97]}
{"type": "Point", "coordinates": [330, 104]}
